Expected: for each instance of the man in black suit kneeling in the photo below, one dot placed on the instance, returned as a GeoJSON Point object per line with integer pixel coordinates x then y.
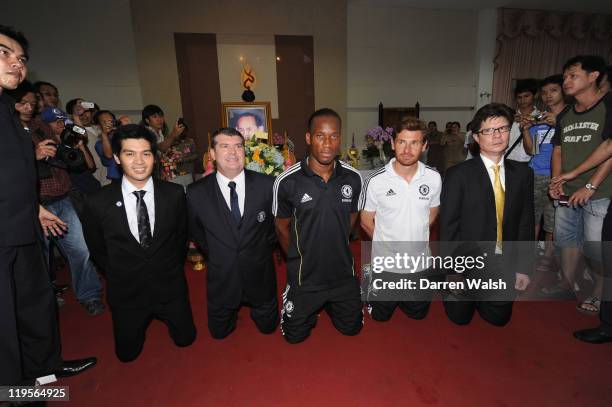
{"type": "Point", "coordinates": [230, 219]}
{"type": "Point", "coordinates": [136, 232]}
{"type": "Point", "coordinates": [486, 203]}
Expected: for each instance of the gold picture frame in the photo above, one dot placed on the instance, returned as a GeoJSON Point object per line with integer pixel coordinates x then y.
{"type": "Point", "coordinates": [231, 112]}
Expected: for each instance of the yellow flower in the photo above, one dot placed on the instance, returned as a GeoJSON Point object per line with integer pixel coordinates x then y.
{"type": "Point", "coordinates": [256, 155]}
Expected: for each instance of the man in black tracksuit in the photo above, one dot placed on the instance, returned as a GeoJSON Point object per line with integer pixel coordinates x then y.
{"type": "Point", "coordinates": [315, 203]}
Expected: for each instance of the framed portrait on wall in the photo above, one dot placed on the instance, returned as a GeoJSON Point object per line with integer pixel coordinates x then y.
{"type": "Point", "coordinates": [247, 118]}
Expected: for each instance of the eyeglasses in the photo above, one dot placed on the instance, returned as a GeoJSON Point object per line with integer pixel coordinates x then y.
{"type": "Point", "coordinates": [491, 130]}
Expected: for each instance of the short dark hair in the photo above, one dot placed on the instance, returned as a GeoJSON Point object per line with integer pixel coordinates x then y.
{"type": "Point", "coordinates": [225, 131]}
{"type": "Point", "coordinates": [489, 111]}
{"type": "Point", "coordinates": [96, 116]}
{"type": "Point", "coordinates": [37, 86]}
{"type": "Point", "coordinates": [24, 88]}
{"type": "Point", "coordinates": [526, 85]}
{"type": "Point", "coordinates": [411, 124]}
{"type": "Point", "coordinates": [458, 124]}
{"type": "Point", "coordinates": [132, 131]}
{"type": "Point", "coordinates": [556, 79]}
{"type": "Point", "coordinates": [150, 110]}
{"type": "Point", "coordinates": [16, 36]}
{"type": "Point", "coordinates": [71, 104]}
{"type": "Point", "coordinates": [323, 112]}
{"type": "Point", "coordinates": [433, 122]}
{"type": "Point", "coordinates": [258, 120]}
{"type": "Point", "coordinates": [589, 63]}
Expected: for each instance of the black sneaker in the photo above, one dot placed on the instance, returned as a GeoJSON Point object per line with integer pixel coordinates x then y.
{"type": "Point", "coordinates": [93, 307]}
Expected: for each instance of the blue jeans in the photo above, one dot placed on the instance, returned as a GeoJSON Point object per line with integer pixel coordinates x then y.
{"type": "Point", "coordinates": [85, 280]}
{"type": "Point", "coordinates": [581, 227]}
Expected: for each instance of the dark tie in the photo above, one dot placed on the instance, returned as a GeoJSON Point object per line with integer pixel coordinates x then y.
{"type": "Point", "coordinates": [144, 227]}
{"type": "Point", "coordinates": [234, 207]}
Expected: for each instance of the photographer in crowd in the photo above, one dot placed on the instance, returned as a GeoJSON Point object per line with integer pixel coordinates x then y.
{"type": "Point", "coordinates": [83, 178]}
{"type": "Point", "coordinates": [107, 122]}
{"type": "Point", "coordinates": [538, 132]}
{"type": "Point", "coordinates": [176, 152]}
{"type": "Point", "coordinates": [81, 113]}
{"type": "Point", "coordinates": [57, 155]}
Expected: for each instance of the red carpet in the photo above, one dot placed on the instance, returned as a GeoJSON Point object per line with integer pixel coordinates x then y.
{"type": "Point", "coordinates": [534, 361]}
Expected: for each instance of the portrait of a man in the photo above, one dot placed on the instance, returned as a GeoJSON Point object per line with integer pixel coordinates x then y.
{"type": "Point", "coordinates": [247, 118]}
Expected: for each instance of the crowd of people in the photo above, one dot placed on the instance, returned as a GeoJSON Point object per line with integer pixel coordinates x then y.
{"type": "Point", "coordinates": [134, 231]}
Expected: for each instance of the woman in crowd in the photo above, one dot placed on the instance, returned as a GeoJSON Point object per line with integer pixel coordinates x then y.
{"type": "Point", "coordinates": [176, 153]}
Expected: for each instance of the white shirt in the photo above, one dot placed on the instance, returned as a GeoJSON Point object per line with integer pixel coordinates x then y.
{"type": "Point", "coordinates": [518, 153]}
{"type": "Point", "coordinates": [223, 182]}
{"type": "Point", "coordinates": [129, 201]}
{"type": "Point", "coordinates": [502, 171]}
{"type": "Point", "coordinates": [402, 208]}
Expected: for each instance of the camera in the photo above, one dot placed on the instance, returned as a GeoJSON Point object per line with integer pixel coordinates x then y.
{"type": "Point", "coordinates": [539, 116]}
{"type": "Point", "coordinates": [564, 200]}
{"type": "Point", "coordinates": [68, 155]}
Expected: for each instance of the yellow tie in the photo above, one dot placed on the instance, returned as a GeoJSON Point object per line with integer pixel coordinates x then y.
{"type": "Point", "coordinates": [500, 196]}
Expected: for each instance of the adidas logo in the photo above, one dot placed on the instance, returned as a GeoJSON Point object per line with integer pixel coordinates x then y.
{"type": "Point", "coordinates": [306, 198]}
{"type": "Point", "coordinates": [391, 192]}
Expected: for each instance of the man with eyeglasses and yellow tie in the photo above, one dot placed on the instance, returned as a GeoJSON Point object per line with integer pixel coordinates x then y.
{"type": "Point", "coordinates": [486, 202]}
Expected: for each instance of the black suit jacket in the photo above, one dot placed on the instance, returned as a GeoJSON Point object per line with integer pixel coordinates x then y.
{"type": "Point", "coordinates": [239, 257]}
{"type": "Point", "coordinates": [467, 208]}
{"type": "Point", "coordinates": [18, 185]}
{"type": "Point", "coordinates": [137, 277]}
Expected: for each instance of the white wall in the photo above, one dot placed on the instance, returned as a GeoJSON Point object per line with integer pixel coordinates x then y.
{"type": "Point", "coordinates": [85, 48]}
{"type": "Point", "coordinates": [259, 52]}
{"type": "Point", "coordinates": [485, 54]}
{"type": "Point", "coordinates": [400, 55]}
{"type": "Point", "coordinates": [155, 21]}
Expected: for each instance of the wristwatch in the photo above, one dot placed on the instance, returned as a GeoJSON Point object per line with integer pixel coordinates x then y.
{"type": "Point", "coordinates": [590, 187]}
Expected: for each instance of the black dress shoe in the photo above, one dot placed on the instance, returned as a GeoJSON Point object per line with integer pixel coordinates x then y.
{"type": "Point", "coordinates": [74, 367]}
{"type": "Point", "coordinates": [593, 335]}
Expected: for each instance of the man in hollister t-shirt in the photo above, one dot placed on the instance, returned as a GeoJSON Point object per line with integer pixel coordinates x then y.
{"type": "Point", "coordinates": [579, 131]}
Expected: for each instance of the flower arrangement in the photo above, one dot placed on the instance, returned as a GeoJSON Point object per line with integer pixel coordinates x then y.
{"type": "Point", "coordinates": [378, 140]}
{"type": "Point", "coordinates": [177, 159]}
{"type": "Point", "coordinates": [263, 158]}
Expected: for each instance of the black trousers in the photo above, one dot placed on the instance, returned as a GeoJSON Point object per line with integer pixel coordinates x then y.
{"type": "Point", "coordinates": [605, 313]}
{"type": "Point", "coordinates": [414, 303]}
{"type": "Point", "coordinates": [29, 333]}
{"type": "Point", "coordinates": [130, 325]}
{"type": "Point", "coordinates": [494, 306]}
{"type": "Point", "coordinates": [383, 310]}
{"type": "Point", "coordinates": [300, 310]}
{"type": "Point", "coordinates": [222, 319]}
